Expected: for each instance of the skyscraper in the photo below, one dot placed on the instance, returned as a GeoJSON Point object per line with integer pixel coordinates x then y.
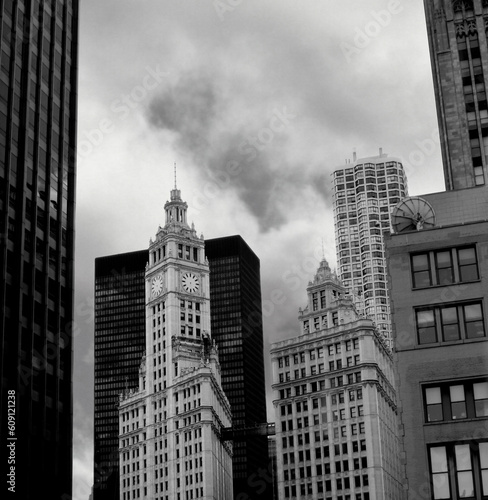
{"type": "Point", "coordinates": [171, 426]}
{"type": "Point", "coordinates": [459, 55]}
{"type": "Point", "coordinates": [38, 93]}
{"type": "Point", "coordinates": [120, 321]}
{"type": "Point", "coordinates": [364, 194]}
{"type": "Point", "coordinates": [335, 402]}
{"type": "Point", "coordinates": [236, 318]}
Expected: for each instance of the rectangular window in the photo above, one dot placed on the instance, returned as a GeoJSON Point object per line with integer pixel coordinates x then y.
{"type": "Point", "coordinates": [421, 270]}
{"type": "Point", "coordinates": [322, 299]}
{"type": "Point", "coordinates": [426, 327]}
{"type": "Point", "coordinates": [464, 470]}
{"type": "Point", "coordinates": [468, 265]}
{"type": "Point", "coordinates": [444, 268]}
{"type": "Point", "coordinates": [433, 404]}
{"type": "Point", "coordinates": [473, 321]}
{"type": "Point", "coordinates": [439, 473]}
{"type": "Point", "coordinates": [458, 402]}
{"type": "Point", "coordinates": [315, 301]}
{"type": "Point", "coordinates": [450, 323]}
{"type": "Point", "coordinates": [480, 395]}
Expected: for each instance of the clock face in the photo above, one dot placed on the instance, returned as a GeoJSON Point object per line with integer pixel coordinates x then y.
{"type": "Point", "coordinates": [190, 282]}
{"type": "Point", "coordinates": [157, 285]}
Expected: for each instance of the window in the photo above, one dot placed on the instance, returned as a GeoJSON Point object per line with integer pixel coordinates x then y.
{"type": "Point", "coordinates": [459, 470]}
{"type": "Point", "coordinates": [426, 328]}
{"type": "Point", "coordinates": [468, 266]}
{"type": "Point", "coordinates": [433, 404]}
{"type": "Point", "coordinates": [444, 267]}
{"type": "Point", "coordinates": [456, 401]}
{"type": "Point", "coordinates": [480, 395]}
{"type": "Point", "coordinates": [421, 270]}
{"type": "Point", "coordinates": [450, 323]}
{"type": "Point", "coordinates": [473, 321]}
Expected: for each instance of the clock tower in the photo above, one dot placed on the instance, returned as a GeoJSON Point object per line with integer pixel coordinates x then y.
{"type": "Point", "coordinates": [174, 421]}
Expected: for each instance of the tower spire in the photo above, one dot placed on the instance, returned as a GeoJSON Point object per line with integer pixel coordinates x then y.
{"type": "Point", "coordinates": [175, 174]}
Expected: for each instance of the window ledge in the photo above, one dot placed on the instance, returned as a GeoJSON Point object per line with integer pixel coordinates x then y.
{"type": "Point", "coordinates": [455, 421]}
{"type": "Point", "coordinates": [450, 343]}
{"type": "Point", "coordinates": [416, 289]}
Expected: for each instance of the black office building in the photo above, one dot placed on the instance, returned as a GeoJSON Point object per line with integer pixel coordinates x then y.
{"type": "Point", "coordinates": [38, 110]}
{"type": "Point", "coordinates": [119, 347]}
{"type": "Point", "coordinates": [236, 325]}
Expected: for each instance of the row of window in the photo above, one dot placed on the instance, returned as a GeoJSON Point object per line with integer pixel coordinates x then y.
{"type": "Point", "coordinates": [318, 352]}
{"type": "Point", "coordinates": [326, 486]}
{"type": "Point", "coordinates": [450, 322]}
{"type": "Point", "coordinates": [459, 470]}
{"type": "Point", "coordinates": [314, 387]}
{"type": "Point", "coordinates": [455, 401]}
{"type": "Point", "coordinates": [325, 469]}
{"type": "Point", "coordinates": [444, 267]}
{"type": "Point", "coordinates": [317, 369]}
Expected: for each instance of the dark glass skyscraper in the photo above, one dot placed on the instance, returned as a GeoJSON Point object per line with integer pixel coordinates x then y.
{"type": "Point", "coordinates": [236, 319]}
{"type": "Point", "coordinates": [38, 94]}
{"type": "Point", "coordinates": [119, 347]}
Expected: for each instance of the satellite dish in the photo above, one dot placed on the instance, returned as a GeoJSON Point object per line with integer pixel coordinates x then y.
{"type": "Point", "coordinates": [412, 214]}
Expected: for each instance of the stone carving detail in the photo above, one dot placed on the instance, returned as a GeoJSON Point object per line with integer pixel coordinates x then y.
{"type": "Point", "coordinates": [462, 5]}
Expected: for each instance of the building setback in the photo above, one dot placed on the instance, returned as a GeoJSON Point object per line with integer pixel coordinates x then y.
{"type": "Point", "coordinates": [459, 56]}
{"type": "Point", "coordinates": [38, 93]}
{"type": "Point", "coordinates": [120, 320]}
{"type": "Point", "coordinates": [236, 319]}
{"type": "Point", "coordinates": [439, 285]}
{"type": "Point", "coordinates": [171, 443]}
{"type": "Point", "coordinates": [335, 403]}
{"type": "Point", "coordinates": [364, 194]}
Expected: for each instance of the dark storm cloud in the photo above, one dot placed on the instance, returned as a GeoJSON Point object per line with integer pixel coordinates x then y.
{"type": "Point", "coordinates": [245, 142]}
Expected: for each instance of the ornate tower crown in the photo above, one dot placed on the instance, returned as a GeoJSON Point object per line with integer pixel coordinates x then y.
{"type": "Point", "coordinates": [176, 210]}
{"type": "Point", "coordinates": [324, 273]}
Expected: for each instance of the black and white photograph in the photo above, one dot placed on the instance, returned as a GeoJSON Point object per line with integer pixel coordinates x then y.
{"type": "Point", "coordinates": [244, 249]}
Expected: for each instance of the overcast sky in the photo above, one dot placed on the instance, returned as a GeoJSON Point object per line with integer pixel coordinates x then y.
{"type": "Point", "coordinates": [257, 102]}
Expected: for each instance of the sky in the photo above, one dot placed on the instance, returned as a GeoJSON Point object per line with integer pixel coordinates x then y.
{"type": "Point", "coordinates": [257, 102]}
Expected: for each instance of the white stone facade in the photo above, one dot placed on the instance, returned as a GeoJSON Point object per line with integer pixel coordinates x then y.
{"type": "Point", "coordinates": [171, 445]}
{"type": "Point", "coordinates": [335, 404]}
